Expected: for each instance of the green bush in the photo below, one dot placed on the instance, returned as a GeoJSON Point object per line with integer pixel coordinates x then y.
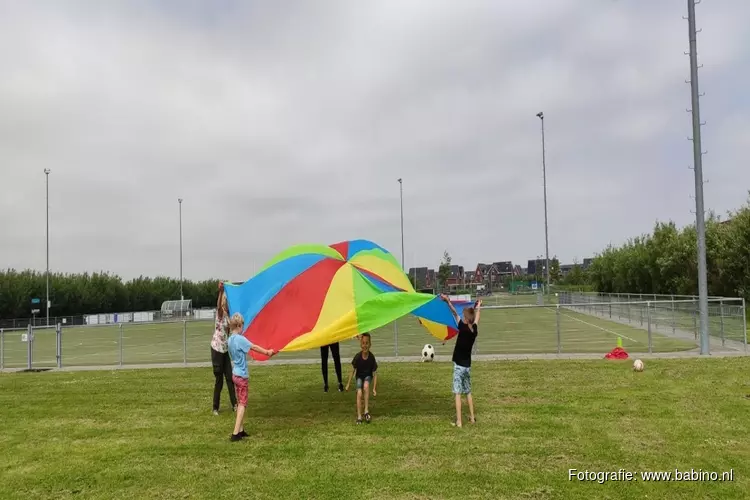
{"type": "Point", "coordinates": [665, 262]}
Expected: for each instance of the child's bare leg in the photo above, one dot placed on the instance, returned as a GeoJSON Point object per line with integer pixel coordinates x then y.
{"type": "Point", "coordinates": [239, 421]}
{"type": "Point", "coordinates": [359, 404]}
{"type": "Point", "coordinates": [458, 410]}
{"type": "Point", "coordinates": [470, 400]}
{"type": "Point", "coordinates": [367, 396]}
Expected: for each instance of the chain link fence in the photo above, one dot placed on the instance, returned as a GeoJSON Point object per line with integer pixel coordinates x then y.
{"type": "Point", "coordinates": [569, 323]}
{"type": "Point", "coordinates": [109, 318]}
{"type": "Point", "coordinates": [673, 315]}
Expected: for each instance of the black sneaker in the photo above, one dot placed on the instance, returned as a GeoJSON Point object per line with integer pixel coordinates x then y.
{"type": "Point", "coordinates": [341, 387]}
{"type": "Point", "coordinates": [243, 433]}
{"type": "Point", "coordinates": [236, 437]}
{"type": "Point", "coordinates": [368, 418]}
{"type": "Point", "coordinates": [325, 388]}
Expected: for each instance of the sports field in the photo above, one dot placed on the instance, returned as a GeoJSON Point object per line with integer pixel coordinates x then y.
{"type": "Point", "coordinates": [515, 330]}
{"type": "Point", "coordinates": [726, 316]}
{"type": "Point", "coordinates": [149, 434]}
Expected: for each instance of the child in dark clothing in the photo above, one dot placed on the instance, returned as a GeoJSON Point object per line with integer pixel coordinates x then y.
{"type": "Point", "coordinates": [468, 330]}
{"type": "Point", "coordinates": [365, 367]}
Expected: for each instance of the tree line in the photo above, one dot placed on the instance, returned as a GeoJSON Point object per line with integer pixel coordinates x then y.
{"type": "Point", "coordinates": [79, 294]}
{"type": "Point", "coordinates": [666, 262]}
{"type": "Point", "coordinates": [663, 262]}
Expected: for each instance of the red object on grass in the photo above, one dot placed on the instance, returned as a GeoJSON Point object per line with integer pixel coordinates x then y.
{"type": "Point", "coordinates": [617, 353]}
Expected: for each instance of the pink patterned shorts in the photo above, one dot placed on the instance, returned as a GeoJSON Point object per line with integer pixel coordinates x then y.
{"type": "Point", "coordinates": [240, 387]}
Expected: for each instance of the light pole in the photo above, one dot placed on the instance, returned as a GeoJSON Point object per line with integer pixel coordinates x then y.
{"type": "Point", "coordinates": [540, 115]}
{"type": "Point", "coordinates": [700, 223]}
{"type": "Point", "coordinates": [401, 189]}
{"type": "Point", "coordinates": [182, 297]}
{"type": "Point", "coordinates": [46, 175]}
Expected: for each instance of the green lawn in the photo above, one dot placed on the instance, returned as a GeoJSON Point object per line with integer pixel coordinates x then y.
{"type": "Point", "coordinates": [149, 434]}
{"type": "Point", "coordinates": [504, 331]}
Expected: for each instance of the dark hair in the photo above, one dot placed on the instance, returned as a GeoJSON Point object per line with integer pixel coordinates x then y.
{"type": "Point", "coordinates": [366, 335]}
{"type": "Point", "coordinates": [471, 313]}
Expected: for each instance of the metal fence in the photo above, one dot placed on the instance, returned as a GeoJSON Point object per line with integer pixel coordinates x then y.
{"type": "Point", "coordinates": [637, 297]}
{"type": "Point", "coordinates": [82, 319]}
{"type": "Point", "coordinates": [579, 323]}
{"type": "Point", "coordinates": [159, 316]}
{"type": "Point", "coordinates": [675, 315]}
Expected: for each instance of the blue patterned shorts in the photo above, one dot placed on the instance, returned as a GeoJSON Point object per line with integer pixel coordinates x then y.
{"type": "Point", "coordinates": [461, 379]}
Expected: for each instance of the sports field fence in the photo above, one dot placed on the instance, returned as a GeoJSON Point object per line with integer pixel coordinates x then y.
{"type": "Point", "coordinates": [569, 323]}
{"type": "Point", "coordinates": [668, 314]}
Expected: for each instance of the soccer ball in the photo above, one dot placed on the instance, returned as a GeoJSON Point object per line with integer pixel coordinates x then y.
{"type": "Point", "coordinates": [428, 353]}
{"type": "Point", "coordinates": [638, 365]}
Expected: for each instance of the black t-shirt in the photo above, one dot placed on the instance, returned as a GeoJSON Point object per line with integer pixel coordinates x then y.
{"type": "Point", "coordinates": [464, 343]}
{"type": "Point", "coordinates": [365, 367]}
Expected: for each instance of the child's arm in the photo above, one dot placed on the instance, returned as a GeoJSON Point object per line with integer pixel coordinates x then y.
{"type": "Point", "coordinates": [478, 308]}
{"type": "Point", "coordinates": [453, 309]}
{"type": "Point", "coordinates": [266, 352]}
{"type": "Point", "coordinates": [375, 383]}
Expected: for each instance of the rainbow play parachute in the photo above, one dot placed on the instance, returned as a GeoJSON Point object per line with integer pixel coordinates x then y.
{"type": "Point", "coordinates": [313, 295]}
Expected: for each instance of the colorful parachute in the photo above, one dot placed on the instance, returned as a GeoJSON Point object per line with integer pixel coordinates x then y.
{"type": "Point", "coordinates": [313, 295]}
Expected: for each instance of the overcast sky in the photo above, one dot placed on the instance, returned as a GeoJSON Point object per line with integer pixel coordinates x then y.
{"type": "Point", "coordinates": [288, 122]}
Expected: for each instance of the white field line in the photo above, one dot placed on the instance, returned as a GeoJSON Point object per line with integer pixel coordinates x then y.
{"type": "Point", "coordinates": [601, 328]}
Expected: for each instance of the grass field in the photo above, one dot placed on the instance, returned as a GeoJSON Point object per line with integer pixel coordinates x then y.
{"type": "Point", "coordinates": [149, 434]}
{"type": "Point", "coordinates": [504, 331]}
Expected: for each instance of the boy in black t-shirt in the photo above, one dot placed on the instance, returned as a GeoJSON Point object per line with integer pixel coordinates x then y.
{"type": "Point", "coordinates": [468, 330]}
{"type": "Point", "coordinates": [366, 369]}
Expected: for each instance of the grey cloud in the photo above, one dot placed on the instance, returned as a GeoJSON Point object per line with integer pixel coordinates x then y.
{"type": "Point", "coordinates": [281, 124]}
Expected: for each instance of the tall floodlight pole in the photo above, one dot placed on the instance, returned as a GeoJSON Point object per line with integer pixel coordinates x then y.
{"type": "Point", "coordinates": [540, 115]}
{"type": "Point", "coordinates": [401, 189]}
{"type": "Point", "coordinates": [46, 174]}
{"type": "Point", "coordinates": [700, 223]}
{"type": "Point", "coordinates": [182, 296]}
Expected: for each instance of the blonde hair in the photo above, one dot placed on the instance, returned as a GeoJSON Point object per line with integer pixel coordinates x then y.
{"type": "Point", "coordinates": [236, 322]}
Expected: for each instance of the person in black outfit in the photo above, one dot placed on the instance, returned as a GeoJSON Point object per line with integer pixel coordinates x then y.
{"type": "Point", "coordinates": [468, 329]}
{"type": "Point", "coordinates": [336, 364]}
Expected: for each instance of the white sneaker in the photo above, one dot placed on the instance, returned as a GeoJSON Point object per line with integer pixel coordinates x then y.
{"type": "Point", "coordinates": [216, 413]}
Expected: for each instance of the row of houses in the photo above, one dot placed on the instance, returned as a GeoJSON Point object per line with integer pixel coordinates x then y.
{"type": "Point", "coordinates": [487, 274]}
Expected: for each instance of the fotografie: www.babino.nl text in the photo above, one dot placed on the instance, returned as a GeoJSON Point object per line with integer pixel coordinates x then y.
{"type": "Point", "coordinates": [626, 475]}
